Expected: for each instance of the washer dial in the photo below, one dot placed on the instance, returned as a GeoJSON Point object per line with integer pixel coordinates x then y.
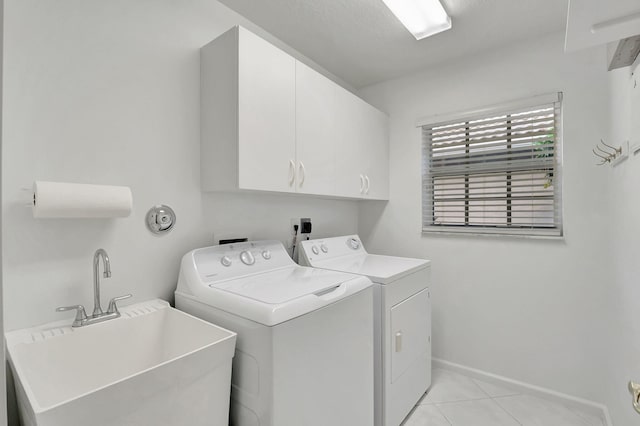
{"type": "Point", "coordinates": [247, 258]}
{"type": "Point", "coordinates": [354, 243]}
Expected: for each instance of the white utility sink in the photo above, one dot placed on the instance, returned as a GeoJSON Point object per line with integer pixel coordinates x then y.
{"type": "Point", "coordinates": [154, 365]}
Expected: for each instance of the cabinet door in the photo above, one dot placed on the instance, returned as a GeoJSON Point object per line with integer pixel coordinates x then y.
{"type": "Point", "coordinates": [266, 116]}
{"type": "Point", "coordinates": [376, 150]}
{"type": "Point", "coordinates": [595, 22]}
{"type": "Point", "coordinates": [410, 333]}
{"type": "Point", "coordinates": [315, 132]}
{"type": "Point", "coordinates": [351, 162]}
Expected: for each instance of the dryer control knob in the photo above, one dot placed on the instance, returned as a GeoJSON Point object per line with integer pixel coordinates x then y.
{"type": "Point", "coordinates": [225, 261]}
{"type": "Point", "coordinates": [247, 258]}
{"type": "Point", "coordinates": [266, 254]}
{"type": "Point", "coordinates": [324, 248]}
{"type": "Point", "coordinates": [354, 244]}
{"type": "Point", "coordinates": [315, 250]}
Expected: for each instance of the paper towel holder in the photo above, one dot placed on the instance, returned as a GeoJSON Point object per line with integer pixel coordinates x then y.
{"type": "Point", "coordinates": [160, 219]}
{"type": "Point", "coordinates": [78, 200]}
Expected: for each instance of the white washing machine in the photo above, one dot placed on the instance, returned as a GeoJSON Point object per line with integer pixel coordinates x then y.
{"type": "Point", "coordinates": [402, 319]}
{"type": "Point", "coordinates": [304, 351]}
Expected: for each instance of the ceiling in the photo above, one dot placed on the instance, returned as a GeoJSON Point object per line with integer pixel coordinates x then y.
{"type": "Point", "coordinates": [362, 42]}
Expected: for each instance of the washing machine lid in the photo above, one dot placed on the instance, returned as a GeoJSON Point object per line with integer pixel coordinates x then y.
{"type": "Point", "coordinates": [347, 254]}
{"type": "Point", "coordinates": [283, 285]}
{"type": "Point", "coordinates": [271, 298]}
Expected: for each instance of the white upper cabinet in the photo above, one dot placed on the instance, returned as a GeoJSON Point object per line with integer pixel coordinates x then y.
{"type": "Point", "coordinates": [596, 22]}
{"type": "Point", "coordinates": [271, 123]}
{"type": "Point", "coordinates": [377, 155]}
{"type": "Point", "coordinates": [362, 162]}
{"type": "Point", "coordinates": [247, 114]}
{"type": "Point", "coordinates": [351, 140]}
{"type": "Point", "coordinates": [266, 115]}
{"type": "Point", "coordinates": [315, 132]}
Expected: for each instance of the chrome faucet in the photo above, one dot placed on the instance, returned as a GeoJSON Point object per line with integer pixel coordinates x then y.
{"type": "Point", "coordinates": [97, 307]}
{"type": "Point", "coordinates": [98, 315]}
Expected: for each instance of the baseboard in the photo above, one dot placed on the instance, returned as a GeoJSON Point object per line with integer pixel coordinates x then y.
{"type": "Point", "coordinates": [526, 388]}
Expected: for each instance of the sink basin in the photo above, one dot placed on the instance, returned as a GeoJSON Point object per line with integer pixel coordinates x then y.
{"type": "Point", "coordinates": [154, 365]}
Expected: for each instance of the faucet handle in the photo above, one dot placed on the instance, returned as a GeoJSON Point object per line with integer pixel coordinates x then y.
{"type": "Point", "coordinates": [81, 315]}
{"type": "Point", "coordinates": [113, 308]}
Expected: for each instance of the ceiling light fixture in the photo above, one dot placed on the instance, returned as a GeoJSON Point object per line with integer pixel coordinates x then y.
{"type": "Point", "coordinates": [423, 18]}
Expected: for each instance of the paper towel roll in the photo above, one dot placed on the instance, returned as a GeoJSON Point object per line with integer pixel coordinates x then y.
{"type": "Point", "coordinates": [74, 200]}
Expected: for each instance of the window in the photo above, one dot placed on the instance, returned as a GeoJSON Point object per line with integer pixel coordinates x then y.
{"type": "Point", "coordinates": [495, 171]}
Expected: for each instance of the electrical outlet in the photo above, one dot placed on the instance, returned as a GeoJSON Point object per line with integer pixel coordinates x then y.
{"type": "Point", "coordinates": [305, 225]}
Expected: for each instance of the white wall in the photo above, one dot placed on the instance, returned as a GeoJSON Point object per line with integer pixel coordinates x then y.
{"type": "Point", "coordinates": [3, 391]}
{"type": "Point", "coordinates": [528, 309]}
{"type": "Point", "coordinates": [624, 353]}
{"type": "Point", "coordinates": [107, 92]}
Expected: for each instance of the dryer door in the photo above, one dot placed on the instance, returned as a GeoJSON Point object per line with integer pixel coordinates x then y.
{"type": "Point", "coordinates": [410, 333]}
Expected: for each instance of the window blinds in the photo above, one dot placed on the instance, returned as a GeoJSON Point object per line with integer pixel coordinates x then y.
{"type": "Point", "coordinates": [494, 172]}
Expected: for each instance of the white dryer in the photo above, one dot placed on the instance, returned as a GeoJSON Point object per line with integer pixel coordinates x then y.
{"type": "Point", "coordinates": [402, 319]}
{"type": "Point", "coordinates": [304, 352]}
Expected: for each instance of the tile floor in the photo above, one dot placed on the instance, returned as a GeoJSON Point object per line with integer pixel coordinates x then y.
{"type": "Point", "coordinates": [458, 400]}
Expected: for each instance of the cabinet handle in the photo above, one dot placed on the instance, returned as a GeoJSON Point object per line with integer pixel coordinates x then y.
{"type": "Point", "coordinates": [366, 178]}
{"type": "Point", "coordinates": [399, 341]}
{"type": "Point", "coordinates": [361, 184]}
{"type": "Point", "coordinates": [301, 173]}
{"type": "Point", "coordinates": [292, 172]}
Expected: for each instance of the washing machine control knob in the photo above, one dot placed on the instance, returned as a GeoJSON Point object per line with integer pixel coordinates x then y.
{"type": "Point", "coordinates": [324, 248]}
{"type": "Point", "coordinates": [315, 250]}
{"type": "Point", "coordinates": [247, 258]}
{"type": "Point", "coordinates": [266, 254]}
{"type": "Point", "coordinates": [225, 261]}
{"type": "Point", "coordinates": [354, 243]}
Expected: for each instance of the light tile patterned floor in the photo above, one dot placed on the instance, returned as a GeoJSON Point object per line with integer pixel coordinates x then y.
{"type": "Point", "coordinates": [458, 400]}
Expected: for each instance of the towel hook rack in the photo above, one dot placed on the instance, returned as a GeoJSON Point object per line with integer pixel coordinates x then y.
{"type": "Point", "coordinates": [612, 154]}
